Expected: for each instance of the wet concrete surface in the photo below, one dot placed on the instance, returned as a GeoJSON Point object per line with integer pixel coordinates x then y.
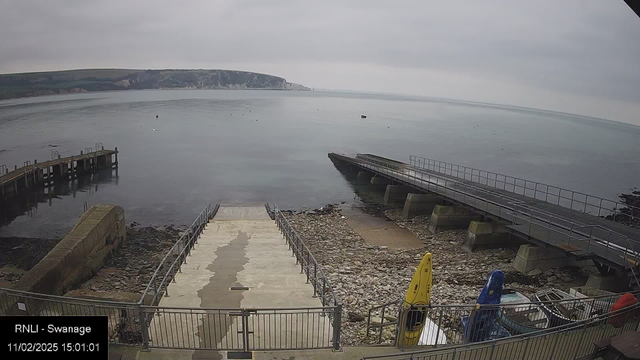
{"type": "Point", "coordinates": [379, 231]}
{"type": "Point", "coordinates": [241, 261]}
{"type": "Point", "coordinates": [218, 292]}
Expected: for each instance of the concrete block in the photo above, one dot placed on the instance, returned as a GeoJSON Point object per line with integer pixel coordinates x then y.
{"type": "Point", "coordinates": [379, 180]}
{"type": "Point", "coordinates": [419, 204]}
{"type": "Point", "coordinates": [451, 210]}
{"type": "Point", "coordinates": [487, 235]}
{"type": "Point", "coordinates": [531, 257]}
{"type": "Point", "coordinates": [395, 194]}
{"type": "Point", "coordinates": [365, 177]}
{"type": "Point", "coordinates": [451, 217]}
{"type": "Point", "coordinates": [80, 253]}
{"type": "Point", "coordinates": [613, 283]}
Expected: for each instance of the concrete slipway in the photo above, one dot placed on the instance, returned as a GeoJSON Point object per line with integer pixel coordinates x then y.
{"type": "Point", "coordinates": [240, 261]}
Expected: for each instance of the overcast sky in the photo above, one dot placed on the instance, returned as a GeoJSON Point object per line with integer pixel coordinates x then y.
{"type": "Point", "coordinates": [578, 56]}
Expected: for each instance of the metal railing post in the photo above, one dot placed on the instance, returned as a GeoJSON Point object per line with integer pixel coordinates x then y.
{"type": "Point", "coordinates": [584, 328]}
{"type": "Point", "coordinates": [245, 330]}
{"type": "Point", "coordinates": [526, 347]}
{"type": "Point", "coordinates": [600, 207]}
{"type": "Point", "coordinates": [570, 233]}
{"type": "Point", "coordinates": [439, 324]}
{"type": "Point", "coordinates": [315, 279]}
{"type": "Point", "coordinates": [324, 289]}
{"type": "Point", "coordinates": [308, 262]}
{"type": "Point", "coordinates": [384, 308]}
{"type": "Point", "coordinates": [337, 325]}
{"type": "Point", "coordinates": [590, 237]}
{"type": "Point", "coordinates": [144, 330]}
{"type": "Point", "coordinates": [493, 348]}
{"type": "Point", "coordinates": [402, 319]}
{"type": "Point", "coordinates": [553, 350]}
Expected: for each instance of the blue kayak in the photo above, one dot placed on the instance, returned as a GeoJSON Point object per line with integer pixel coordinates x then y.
{"type": "Point", "coordinates": [482, 324]}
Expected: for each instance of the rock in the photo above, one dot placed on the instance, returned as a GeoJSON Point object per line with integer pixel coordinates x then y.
{"type": "Point", "coordinates": [354, 317]}
{"type": "Point", "coordinates": [534, 272]}
{"type": "Point", "coordinates": [387, 334]}
{"type": "Point", "coordinates": [364, 275]}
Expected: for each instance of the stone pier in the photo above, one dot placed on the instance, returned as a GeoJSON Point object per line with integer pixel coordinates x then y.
{"type": "Point", "coordinates": [451, 217]}
{"type": "Point", "coordinates": [419, 204]}
{"type": "Point", "coordinates": [488, 234]}
{"type": "Point", "coordinates": [533, 257]}
{"type": "Point", "coordinates": [381, 181]}
{"type": "Point", "coordinates": [365, 177]}
{"type": "Point", "coordinates": [613, 283]}
{"type": "Point", "coordinates": [395, 194]}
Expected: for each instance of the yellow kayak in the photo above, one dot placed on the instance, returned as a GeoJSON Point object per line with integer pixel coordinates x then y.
{"type": "Point", "coordinates": [419, 293]}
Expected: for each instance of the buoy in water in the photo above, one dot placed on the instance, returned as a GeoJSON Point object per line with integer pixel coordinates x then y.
{"type": "Point", "coordinates": [156, 116]}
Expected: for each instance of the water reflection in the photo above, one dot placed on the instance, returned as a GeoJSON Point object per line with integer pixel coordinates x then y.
{"type": "Point", "coordinates": [363, 191]}
{"type": "Point", "coordinates": [27, 202]}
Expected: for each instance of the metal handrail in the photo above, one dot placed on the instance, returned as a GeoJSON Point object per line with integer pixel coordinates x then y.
{"type": "Point", "coordinates": [607, 297]}
{"type": "Point", "coordinates": [456, 308]}
{"type": "Point", "coordinates": [538, 187]}
{"type": "Point", "coordinates": [235, 309]}
{"type": "Point", "coordinates": [299, 249]}
{"type": "Point", "coordinates": [578, 325]}
{"type": "Point", "coordinates": [574, 225]}
{"type": "Point", "coordinates": [436, 181]}
{"type": "Point", "coordinates": [65, 299]}
{"type": "Point", "coordinates": [309, 265]}
{"type": "Point", "coordinates": [137, 324]}
{"type": "Point", "coordinates": [182, 248]}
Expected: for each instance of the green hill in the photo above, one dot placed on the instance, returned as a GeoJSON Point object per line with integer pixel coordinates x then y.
{"type": "Point", "coordinates": [85, 80]}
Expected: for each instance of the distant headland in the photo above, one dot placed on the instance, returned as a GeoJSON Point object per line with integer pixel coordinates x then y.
{"type": "Point", "coordinates": [86, 80]}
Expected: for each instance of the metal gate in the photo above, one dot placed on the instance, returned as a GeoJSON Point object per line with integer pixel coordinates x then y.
{"type": "Point", "coordinates": [241, 329]}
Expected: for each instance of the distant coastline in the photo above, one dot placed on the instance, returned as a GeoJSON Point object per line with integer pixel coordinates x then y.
{"type": "Point", "coordinates": [87, 80]}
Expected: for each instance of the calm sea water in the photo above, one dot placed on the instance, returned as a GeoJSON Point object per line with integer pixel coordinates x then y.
{"type": "Point", "coordinates": [271, 146]}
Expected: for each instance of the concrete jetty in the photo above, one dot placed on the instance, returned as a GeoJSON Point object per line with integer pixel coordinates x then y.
{"type": "Point", "coordinates": [496, 208]}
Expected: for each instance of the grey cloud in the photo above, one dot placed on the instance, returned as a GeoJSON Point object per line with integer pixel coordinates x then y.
{"type": "Point", "coordinates": [580, 47]}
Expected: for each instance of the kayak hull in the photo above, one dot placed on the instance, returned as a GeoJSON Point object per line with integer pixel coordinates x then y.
{"type": "Point", "coordinates": [417, 298]}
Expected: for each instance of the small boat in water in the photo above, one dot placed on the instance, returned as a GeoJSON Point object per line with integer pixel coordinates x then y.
{"type": "Point", "coordinates": [561, 307]}
{"type": "Point", "coordinates": [519, 316]}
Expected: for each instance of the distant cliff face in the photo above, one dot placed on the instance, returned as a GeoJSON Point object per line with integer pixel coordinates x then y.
{"type": "Point", "coordinates": [73, 81]}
